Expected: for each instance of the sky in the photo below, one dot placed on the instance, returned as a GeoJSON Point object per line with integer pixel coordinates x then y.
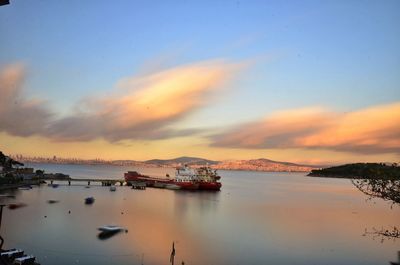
{"type": "Point", "coordinates": [301, 81]}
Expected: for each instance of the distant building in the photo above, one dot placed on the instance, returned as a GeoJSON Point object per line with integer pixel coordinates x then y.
{"type": "Point", "coordinates": [25, 170]}
{"type": "Point", "coordinates": [26, 173]}
{"type": "Point", "coordinates": [55, 176]}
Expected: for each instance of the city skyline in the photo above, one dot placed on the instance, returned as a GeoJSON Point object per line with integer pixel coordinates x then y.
{"type": "Point", "coordinates": [307, 82]}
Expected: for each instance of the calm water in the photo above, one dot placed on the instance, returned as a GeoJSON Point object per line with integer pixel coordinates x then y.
{"type": "Point", "coordinates": [257, 218]}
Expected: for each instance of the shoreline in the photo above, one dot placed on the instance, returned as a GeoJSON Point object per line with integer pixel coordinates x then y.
{"type": "Point", "coordinates": [18, 185]}
{"type": "Point", "coordinates": [171, 166]}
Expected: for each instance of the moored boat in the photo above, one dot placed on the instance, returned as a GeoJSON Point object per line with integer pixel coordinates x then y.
{"type": "Point", "coordinates": [186, 178]}
{"type": "Point", "coordinates": [208, 179]}
{"type": "Point", "coordinates": [183, 182]}
{"type": "Point", "coordinates": [172, 187]}
{"type": "Point", "coordinates": [108, 231]}
{"type": "Point", "coordinates": [89, 200]}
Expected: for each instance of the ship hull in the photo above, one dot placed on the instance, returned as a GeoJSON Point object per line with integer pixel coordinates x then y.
{"type": "Point", "coordinates": [216, 186]}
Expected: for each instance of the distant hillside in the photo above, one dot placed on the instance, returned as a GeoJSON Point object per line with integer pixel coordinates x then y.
{"type": "Point", "coordinates": [262, 164]}
{"type": "Point", "coordinates": [184, 160]}
{"type": "Point", "coordinates": [360, 170]}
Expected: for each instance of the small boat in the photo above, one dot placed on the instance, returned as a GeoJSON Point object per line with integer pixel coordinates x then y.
{"type": "Point", "coordinates": [158, 184]}
{"type": "Point", "coordinates": [52, 201]}
{"type": "Point", "coordinates": [111, 228]}
{"type": "Point", "coordinates": [113, 188]}
{"type": "Point", "coordinates": [108, 231]}
{"type": "Point", "coordinates": [138, 185]}
{"type": "Point", "coordinates": [172, 187]}
{"type": "Point", "coordinates": [89, 200]}
{"type": "Point", "coordinates": [27, 259]}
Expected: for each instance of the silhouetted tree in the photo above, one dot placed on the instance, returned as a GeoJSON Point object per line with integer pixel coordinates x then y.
{"type": "Point", "coordinates": [386, 189]}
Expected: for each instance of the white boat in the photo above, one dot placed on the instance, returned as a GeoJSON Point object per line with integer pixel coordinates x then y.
{"type": "Point", "coordinates": [108, 231]}
{"type": "Point", "coordinates": [172, 187]}
{"type": "Point", "coordinates": [159, 184]}
{"type": "Point", "coordinates": [111, 228]}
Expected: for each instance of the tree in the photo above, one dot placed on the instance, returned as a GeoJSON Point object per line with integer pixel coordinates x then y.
{"type": "Point", "coordinates": [388, 190]}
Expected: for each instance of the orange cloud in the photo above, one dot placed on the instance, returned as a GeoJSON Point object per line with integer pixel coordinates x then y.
{"type": "Point", "coordinates": [372, 130]}
{"type": "Point", "coordinates": [140, 107]}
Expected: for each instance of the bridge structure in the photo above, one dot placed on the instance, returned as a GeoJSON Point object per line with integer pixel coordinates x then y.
{"type": "Point", "coordinates": [103, 181]}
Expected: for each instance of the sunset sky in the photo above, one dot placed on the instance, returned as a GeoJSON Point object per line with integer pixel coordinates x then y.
{"type": "Point", "coordinates": [301, 81]}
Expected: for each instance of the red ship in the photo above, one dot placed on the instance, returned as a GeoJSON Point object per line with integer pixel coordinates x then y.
{"type": "Point", "coordinates": [174, 184]}
{"type": "Point", "coordinates": [186, 178]}
{"type": "Point", "coordinates": [208, 179]}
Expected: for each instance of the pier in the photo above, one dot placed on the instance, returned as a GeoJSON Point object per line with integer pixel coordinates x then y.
{"type": "Point", "coordinates": [88, 181]}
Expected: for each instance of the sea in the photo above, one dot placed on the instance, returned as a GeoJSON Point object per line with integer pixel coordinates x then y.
{"type": "Point", "coordinates": [256, 218]}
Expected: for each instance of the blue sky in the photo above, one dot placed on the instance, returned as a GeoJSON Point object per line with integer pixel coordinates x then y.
{"type": "Point", "coordinates": [322, 47]}
{"type": "Point", "coordinates": [342, 55]}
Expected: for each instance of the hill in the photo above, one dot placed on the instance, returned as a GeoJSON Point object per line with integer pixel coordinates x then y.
{"type": "Point", "coordinates": [263, 164]}
{"type": "Point", "coordinates": [360, 170]}
{"type": "Point", "coordinates": [190, 161]}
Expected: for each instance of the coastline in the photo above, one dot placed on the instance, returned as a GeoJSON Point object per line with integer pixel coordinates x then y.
{"type": "Point", "coordinates": [18, 185]}
{"type": "Point", "coordinates": [258, 169]}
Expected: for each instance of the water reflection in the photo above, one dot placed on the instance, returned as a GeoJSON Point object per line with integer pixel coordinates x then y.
{"type": "Point", "coordinates": [257, 218]}
{"type": "Point", "coordinates": [383, 234]}
{"type": "Point", "coordinates": [388, 190]}
{"type": "Point", "coordinates": [103, 235]}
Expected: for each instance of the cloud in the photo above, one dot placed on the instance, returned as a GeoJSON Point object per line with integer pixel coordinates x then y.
{"type": "Point", "coordinates": [139, 107]}
{"type": "Point", "coordinates": [372, 130]}
{"type": "Point", "coordinates": [20, 116]}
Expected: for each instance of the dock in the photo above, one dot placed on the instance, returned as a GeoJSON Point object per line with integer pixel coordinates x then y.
{"type": "Point", "coordinates": [138, 185]}
{"type": "Point", "coordinates": [88, 181]}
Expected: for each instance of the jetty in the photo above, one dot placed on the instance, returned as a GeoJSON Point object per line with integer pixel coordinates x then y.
{"type": "Point", "coordinates": [88, 181]}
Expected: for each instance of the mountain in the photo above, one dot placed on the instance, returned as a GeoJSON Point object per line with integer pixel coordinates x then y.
{"type": "Point", "coordinates": [184, 160]}
{"type": "Point", "coordinates": [263, 164]}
